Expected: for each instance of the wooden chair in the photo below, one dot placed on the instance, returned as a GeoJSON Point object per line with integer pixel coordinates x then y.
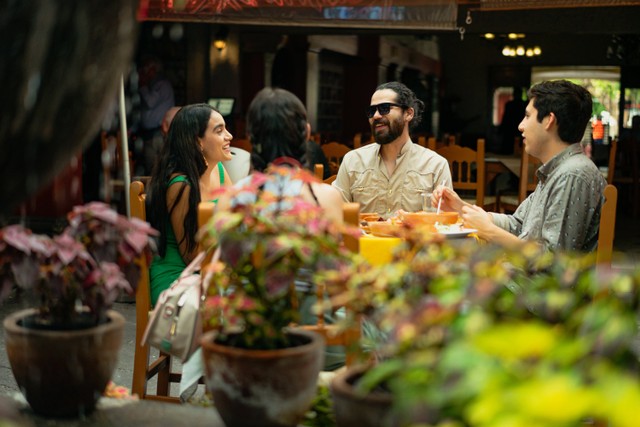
{"type": "Point", "coordinates": [318, 171]}
{"type": "Point", "coordinates": [528, 183]}
{"type": "Point", "coordinates": [607, 226]}
{"type": "Point", "coordinates": [358, 142]}
{"type": "Point", "coordinates": [330, 179]}
{"type": "Point", "coordinates": [143, 370]}
{"type": "Point", "coordinates": [334, 152]}
{"type": "Point", "coordinates": [467, 172]}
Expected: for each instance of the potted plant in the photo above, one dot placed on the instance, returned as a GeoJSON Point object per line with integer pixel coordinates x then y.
{"type": "Point", "coordinates": [260, 371]}
{"type": "Point", "coordinates": [479, 336]}
{"type": "Point", "coordinates": [63, 353]}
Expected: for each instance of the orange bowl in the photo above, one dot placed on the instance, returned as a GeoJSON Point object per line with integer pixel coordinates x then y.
{"type": "Point", "coordinates": [384, 229]}
{"type": "Point", "coordinates": [429, 218]}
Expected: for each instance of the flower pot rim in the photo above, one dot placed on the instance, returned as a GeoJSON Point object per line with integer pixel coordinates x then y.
{"type": "Point", "coordinates": [316, 340]}
{"type": "Point", "coordinates": [341, 385]}
{"type": "Point", "coordinates": [10, 323]}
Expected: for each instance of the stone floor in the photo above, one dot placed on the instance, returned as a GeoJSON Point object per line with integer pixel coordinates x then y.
{"type": "Point", "coordinates": [627, 246]}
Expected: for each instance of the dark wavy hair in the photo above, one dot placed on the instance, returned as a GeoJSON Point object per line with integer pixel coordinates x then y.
{"type": "Point", "coordinates": [405, 96]}
{"type": "Point", "coordinates": [569, 102]}
{"type": "Point", "coordinates": [277, 127]}
{"type": "Point", "coordinates": [180, 154]}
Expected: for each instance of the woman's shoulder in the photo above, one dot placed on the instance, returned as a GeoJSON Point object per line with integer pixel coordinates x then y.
{"type": "Point", "coordinates": [327, 194]}
{"type": "Point", "coordinates": [177, 177]}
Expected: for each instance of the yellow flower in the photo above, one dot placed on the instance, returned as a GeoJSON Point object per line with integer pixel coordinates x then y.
{"type": "Point", "coordinates": [517, 340]}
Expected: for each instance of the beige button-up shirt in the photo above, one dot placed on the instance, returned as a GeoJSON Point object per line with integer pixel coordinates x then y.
{"type": "Point", "coordinates": [363, 178]}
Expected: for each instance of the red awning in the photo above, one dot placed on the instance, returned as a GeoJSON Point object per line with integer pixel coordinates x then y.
{"type": "Point", "coordinates": [388, 14]}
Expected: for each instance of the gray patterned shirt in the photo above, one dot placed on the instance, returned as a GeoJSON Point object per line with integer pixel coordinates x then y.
{"type": "Point", "coordinates": [564, 210]}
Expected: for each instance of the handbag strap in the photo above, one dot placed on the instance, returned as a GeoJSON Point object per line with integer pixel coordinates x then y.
{"type": "Point", "coordinates": [206, 275]}
{"type": "Point", "coordinates": [193, 265]}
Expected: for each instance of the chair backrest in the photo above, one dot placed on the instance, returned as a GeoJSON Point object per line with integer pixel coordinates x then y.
{"type": "Point", "coordinates": [318, 171]}
{"type": "Point", "coordinates": [334, 152]}
{"type": "Point", "coordinates": [467, 168]}
{"type": "Point", "coordinates": [607, 226]}
{"type": "Point", "coordinates": [330, 179]}
{"type": "Point", "coordinates": [528, 176]}
{"type": "Point", "coordinates": [359, 142]}
{"type": "Point", "coordinates": [432, 143]}
{"type": "Point", "coordinates": [240, 165]}
{"type": "Point", "coordinates": [137, 198]}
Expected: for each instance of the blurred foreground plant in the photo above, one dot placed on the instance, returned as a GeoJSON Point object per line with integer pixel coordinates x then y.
{"type": "Point", "coordinates": [478, 336]}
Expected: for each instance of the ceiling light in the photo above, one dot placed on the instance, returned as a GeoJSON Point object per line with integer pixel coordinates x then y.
{"type": "Point", "coordinates": [489, 36]}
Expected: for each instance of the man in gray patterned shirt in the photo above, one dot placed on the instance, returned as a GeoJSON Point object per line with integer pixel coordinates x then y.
{"type": "Point", "coordinates": [564, 210]}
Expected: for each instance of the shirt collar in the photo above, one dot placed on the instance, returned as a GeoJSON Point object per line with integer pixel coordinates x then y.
{"type": "Point", "coordinates": [405, 149]}
{"type": "Point", "coordinates": [545, 170]}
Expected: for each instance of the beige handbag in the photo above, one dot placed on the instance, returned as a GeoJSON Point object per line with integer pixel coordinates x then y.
{"type": "Point", "coordinates": [175, 325]}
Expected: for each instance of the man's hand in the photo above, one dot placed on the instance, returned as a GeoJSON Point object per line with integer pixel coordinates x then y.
{"type": "Point", "coordinates": [450, 200]}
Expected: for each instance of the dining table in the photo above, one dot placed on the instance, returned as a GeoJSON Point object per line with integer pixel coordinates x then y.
{"type": "Point", "coordinates": [495, 164]}
{"type": "Point", "coordinates": [379, 249]}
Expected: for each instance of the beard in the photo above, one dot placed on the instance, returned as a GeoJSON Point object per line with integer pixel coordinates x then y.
{"type": "Point", "coordinates": [394, 130]}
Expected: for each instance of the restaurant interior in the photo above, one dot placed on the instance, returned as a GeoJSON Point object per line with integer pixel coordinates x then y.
{"type": "Point", "coordinates": [465, 59]}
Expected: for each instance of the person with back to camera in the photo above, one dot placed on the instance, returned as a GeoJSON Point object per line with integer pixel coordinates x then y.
{"type": "Point", "coordinates": [188, 169]}
{"type": "Point", "coordinates": [278, 130]}
{"type": "Point", "coordinates": [394, 173]}
{"type": "Point", "coordinates": [563, 213]}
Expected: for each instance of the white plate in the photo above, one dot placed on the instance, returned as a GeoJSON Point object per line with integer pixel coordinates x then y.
{"type": "Point", "coordinates": [461, 232]}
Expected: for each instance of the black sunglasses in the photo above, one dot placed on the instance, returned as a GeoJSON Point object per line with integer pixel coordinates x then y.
{"type": "Point", "coordinates": [384, 108]}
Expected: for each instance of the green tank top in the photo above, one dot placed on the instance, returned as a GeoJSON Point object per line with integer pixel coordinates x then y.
{"type": "Point", "coordinates": [164, 271]}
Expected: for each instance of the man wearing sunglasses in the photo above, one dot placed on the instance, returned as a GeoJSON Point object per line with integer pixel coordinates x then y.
{"type": "Point", "coordinates": [394, 173]}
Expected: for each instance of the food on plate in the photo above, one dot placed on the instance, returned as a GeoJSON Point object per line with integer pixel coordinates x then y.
{"type": "Point", "coordinates": [429, 218]}
{"type": "Point", "coordinates": [385, 228]}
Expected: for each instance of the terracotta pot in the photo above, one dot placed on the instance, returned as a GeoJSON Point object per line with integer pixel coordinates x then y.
{"type": "Point", "coordinates": [374, 409]}
{"type": "Point", "coordinates": [62, 373]}
{"type": "Point", "coordinates": [351, 409]}
{"type": "Point", "coordinates": [263, 387]}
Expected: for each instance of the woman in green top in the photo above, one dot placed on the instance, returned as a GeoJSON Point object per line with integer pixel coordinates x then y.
{"type": "Point", "coordinates": [186, 172]}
